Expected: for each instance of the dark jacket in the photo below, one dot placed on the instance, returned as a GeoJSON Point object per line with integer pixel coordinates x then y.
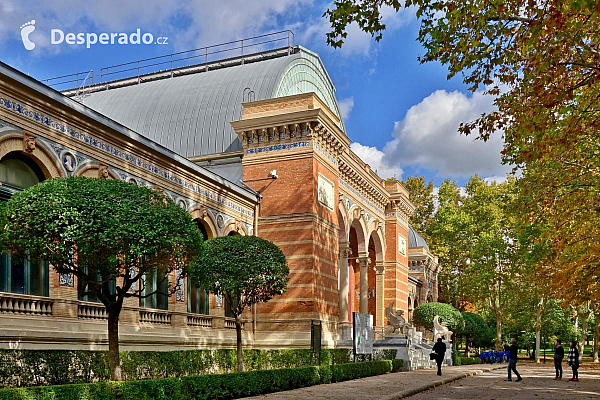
{"type": "Point", "coordinates": [573, 357]}
{"type": "Point", "coordinates": [514, 352]}
{"type": "Point", "coordinates": [440, 349]}
{"type": "Point", "coordinates": [559, 353]}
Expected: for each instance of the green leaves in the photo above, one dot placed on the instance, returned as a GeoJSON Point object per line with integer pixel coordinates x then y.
{"type": "Point", "coordinates": [248, 269]}
{"type": "Point", "coordinates": [106, 228]}
{"type": "Point", "coordinates": [423, 316]}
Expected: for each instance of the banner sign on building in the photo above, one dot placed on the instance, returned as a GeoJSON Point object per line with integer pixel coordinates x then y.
{"type": "Point", "coordinates": [362, 333]}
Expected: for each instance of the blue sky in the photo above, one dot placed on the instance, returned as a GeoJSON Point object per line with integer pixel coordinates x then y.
{"type": "Point", "coordinates": [401, 115]}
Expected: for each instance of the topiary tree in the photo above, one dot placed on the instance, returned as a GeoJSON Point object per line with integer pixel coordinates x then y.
{"type": "Point", "coordinates": [475, 326]}
{"type": "Point", "coordinates": [107, 233]}
{"type": "Point", "coordinates": [423, 316]}
{"type": "Point", "coordinates": [245, 270]}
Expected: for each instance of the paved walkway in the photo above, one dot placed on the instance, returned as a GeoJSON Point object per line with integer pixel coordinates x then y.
{"type": "Point", "coordinates": [390, 386]}
{"type": "Point", "coordinates": [538, 383]}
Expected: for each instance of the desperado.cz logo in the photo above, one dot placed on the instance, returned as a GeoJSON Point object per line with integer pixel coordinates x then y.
{"type": "Point", "coordinates": [57, 36]}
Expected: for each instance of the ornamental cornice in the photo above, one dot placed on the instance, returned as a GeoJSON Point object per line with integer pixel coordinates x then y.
{"type": "Point", "coordinates": [360, 182]}
{"type": "Point", "coordinates": [402, 207]}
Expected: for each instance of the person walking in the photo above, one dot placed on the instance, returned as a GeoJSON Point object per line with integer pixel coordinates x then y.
{"type": "Point", "coordinates": [440, 351]}
{"type": "Point", "coordinates": [573, 360]}
{"type": "Point", "coordinates": [559, 354]}
{"type": "Point", "coordinates": [512, 360]}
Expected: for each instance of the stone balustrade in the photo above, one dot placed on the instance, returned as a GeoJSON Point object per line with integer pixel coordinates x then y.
{"type": "Point", "coordinates": [12, 303]}
{"type": "Point", "coordinates": [155, 317]}
{"type": "Point", "coordinates": [204, 321]}
{"type": "Point", "coordinates": [230, 323]}
{"type": "Point", "coordinates": [92, 311]}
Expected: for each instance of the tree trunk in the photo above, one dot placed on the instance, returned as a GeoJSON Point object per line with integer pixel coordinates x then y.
{"type": "Point", "coordinates": [596, 336]}
{"type": "Point", "coordinates": [498, 332]}
{"type": "Point", "coordinates": [538, 334]}
{"type": "Point", "coordinates": [539, 310]}
{"type": "Point", "coordinates": [238, 331]}
{"type": "Point", "coordinates": [113, 343]}
{"type": "Point", "coordinates": [584, 316]}
{"type": "Point", "coordinates": [467, 352]}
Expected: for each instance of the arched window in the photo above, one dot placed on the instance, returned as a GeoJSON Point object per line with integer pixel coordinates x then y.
{"type": "Point", "coordinates": [198, 297]}
{"type": "Point", "coordinates": [21, 273]}
{"type": "Point", "coordinates": [228, 312]}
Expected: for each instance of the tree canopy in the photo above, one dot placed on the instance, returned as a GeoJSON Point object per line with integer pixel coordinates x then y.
{"type": "Point", "coordinates": [107, 233]}
{"type": "Point", "coordinates": [245, 270]}
{"type": "Point", "coordinates": [423, 316]}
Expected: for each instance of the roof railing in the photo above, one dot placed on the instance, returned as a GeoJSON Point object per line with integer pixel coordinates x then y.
{"type": "Point", "coordinates": [202, 56]}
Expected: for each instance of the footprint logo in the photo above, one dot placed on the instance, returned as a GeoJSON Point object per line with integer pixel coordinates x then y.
{"type": "Point", "coordinates": [26, 29]}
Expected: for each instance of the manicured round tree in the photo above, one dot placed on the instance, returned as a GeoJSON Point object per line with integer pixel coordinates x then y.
{"type": "Point", "coordinates": [107, 233]}
{"type": "Point", "coordinates": [475, 326]}
{"type": "Point", "coordinates": [245, 270]}
{"type": "Point", "coordinates": [423, 316]}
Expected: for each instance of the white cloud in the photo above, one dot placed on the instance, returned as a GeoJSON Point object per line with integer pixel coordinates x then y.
{"type": "Point", "coordinates": [346, 105]}
{"type": "Point", "coordinates": [188, 24]}
{"type": "Point", "coordinates": [375, 159]}
{"type": "Point", "coordinates": [497, 179]}
{"type": "Point", "coordinates": [357, 42]}
{"type": "Point", "coordinates": [427, 137]}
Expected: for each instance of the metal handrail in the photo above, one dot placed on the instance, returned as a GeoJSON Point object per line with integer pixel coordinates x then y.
{"type": "Point", "coordinates": [240, 45]}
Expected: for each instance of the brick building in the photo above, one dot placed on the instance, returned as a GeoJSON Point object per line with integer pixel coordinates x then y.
{"type": "Point", "coordinates": [249, 145]}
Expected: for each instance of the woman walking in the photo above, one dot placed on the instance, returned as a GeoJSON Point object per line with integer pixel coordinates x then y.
{"type": "Point", "coordinates": [573, 360]}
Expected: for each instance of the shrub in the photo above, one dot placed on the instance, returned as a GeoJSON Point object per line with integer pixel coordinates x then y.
{"type": "Point", "coordinates": [325, 373]}
{"type": "Point", "coordinates": [423, 316]}
{"type": "Point", "coordinates": [345, 372]}
{"type": "Point", "coordinates": [397, 365]}
{"type": "Point", "coordinates": [468, 360]}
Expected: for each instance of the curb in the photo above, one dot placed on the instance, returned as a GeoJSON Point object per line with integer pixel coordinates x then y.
{"type": "Point", "coordinates": [411, 392]}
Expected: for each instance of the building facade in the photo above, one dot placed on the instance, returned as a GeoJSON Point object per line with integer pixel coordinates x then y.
{"type": "Point", "coordinates": [253, 145]}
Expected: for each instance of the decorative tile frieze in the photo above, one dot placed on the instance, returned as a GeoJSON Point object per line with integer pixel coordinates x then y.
{"type": "Point", "coordinates": [277, 147]}
{"type": "Point", "coordinates": [327, 156]}
{"type": "Point", "coordinates": [117, 152]}
{"type": "Point", "coordinates": [361, 197]}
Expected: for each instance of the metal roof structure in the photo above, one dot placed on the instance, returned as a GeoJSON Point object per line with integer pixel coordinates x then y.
{"type": "Point", "coordinates": [416, 240]}
{"type": "Point", "coordinates": [189, 111]}
{"type": "Point", "coordinates": [8, 72]}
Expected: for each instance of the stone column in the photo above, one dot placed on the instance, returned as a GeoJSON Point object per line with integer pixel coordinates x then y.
{"type": "Point", "coordinates": [380, 292]}
{"type": "Point", "coordinates": [364, 262]}
{"type": "Point", "coordinates": [343, 291]}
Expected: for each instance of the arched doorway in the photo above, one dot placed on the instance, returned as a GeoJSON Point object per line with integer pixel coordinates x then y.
{"type": "Point", "coordinates": [18, 273]}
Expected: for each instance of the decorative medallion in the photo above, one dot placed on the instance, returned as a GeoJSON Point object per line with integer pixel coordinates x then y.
{"type": "Point", "coordinates": [181, 203]}
{"type": "Point", "coordinates": [220, 221]}
{"type": "Point", "coordinates": [66, 280]}
{"type": "Point", "coordinates": [69, 161]}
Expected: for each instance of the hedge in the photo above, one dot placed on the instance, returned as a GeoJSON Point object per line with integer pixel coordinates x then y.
{"type": "Point", "coordinates": [24, 368]}
{"type": "Point", "coordinates": [228, 386]}
{"type": "Point", "coordinates": [345, 372]}
{"type": "Point", "coordinates": [467, 360]}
